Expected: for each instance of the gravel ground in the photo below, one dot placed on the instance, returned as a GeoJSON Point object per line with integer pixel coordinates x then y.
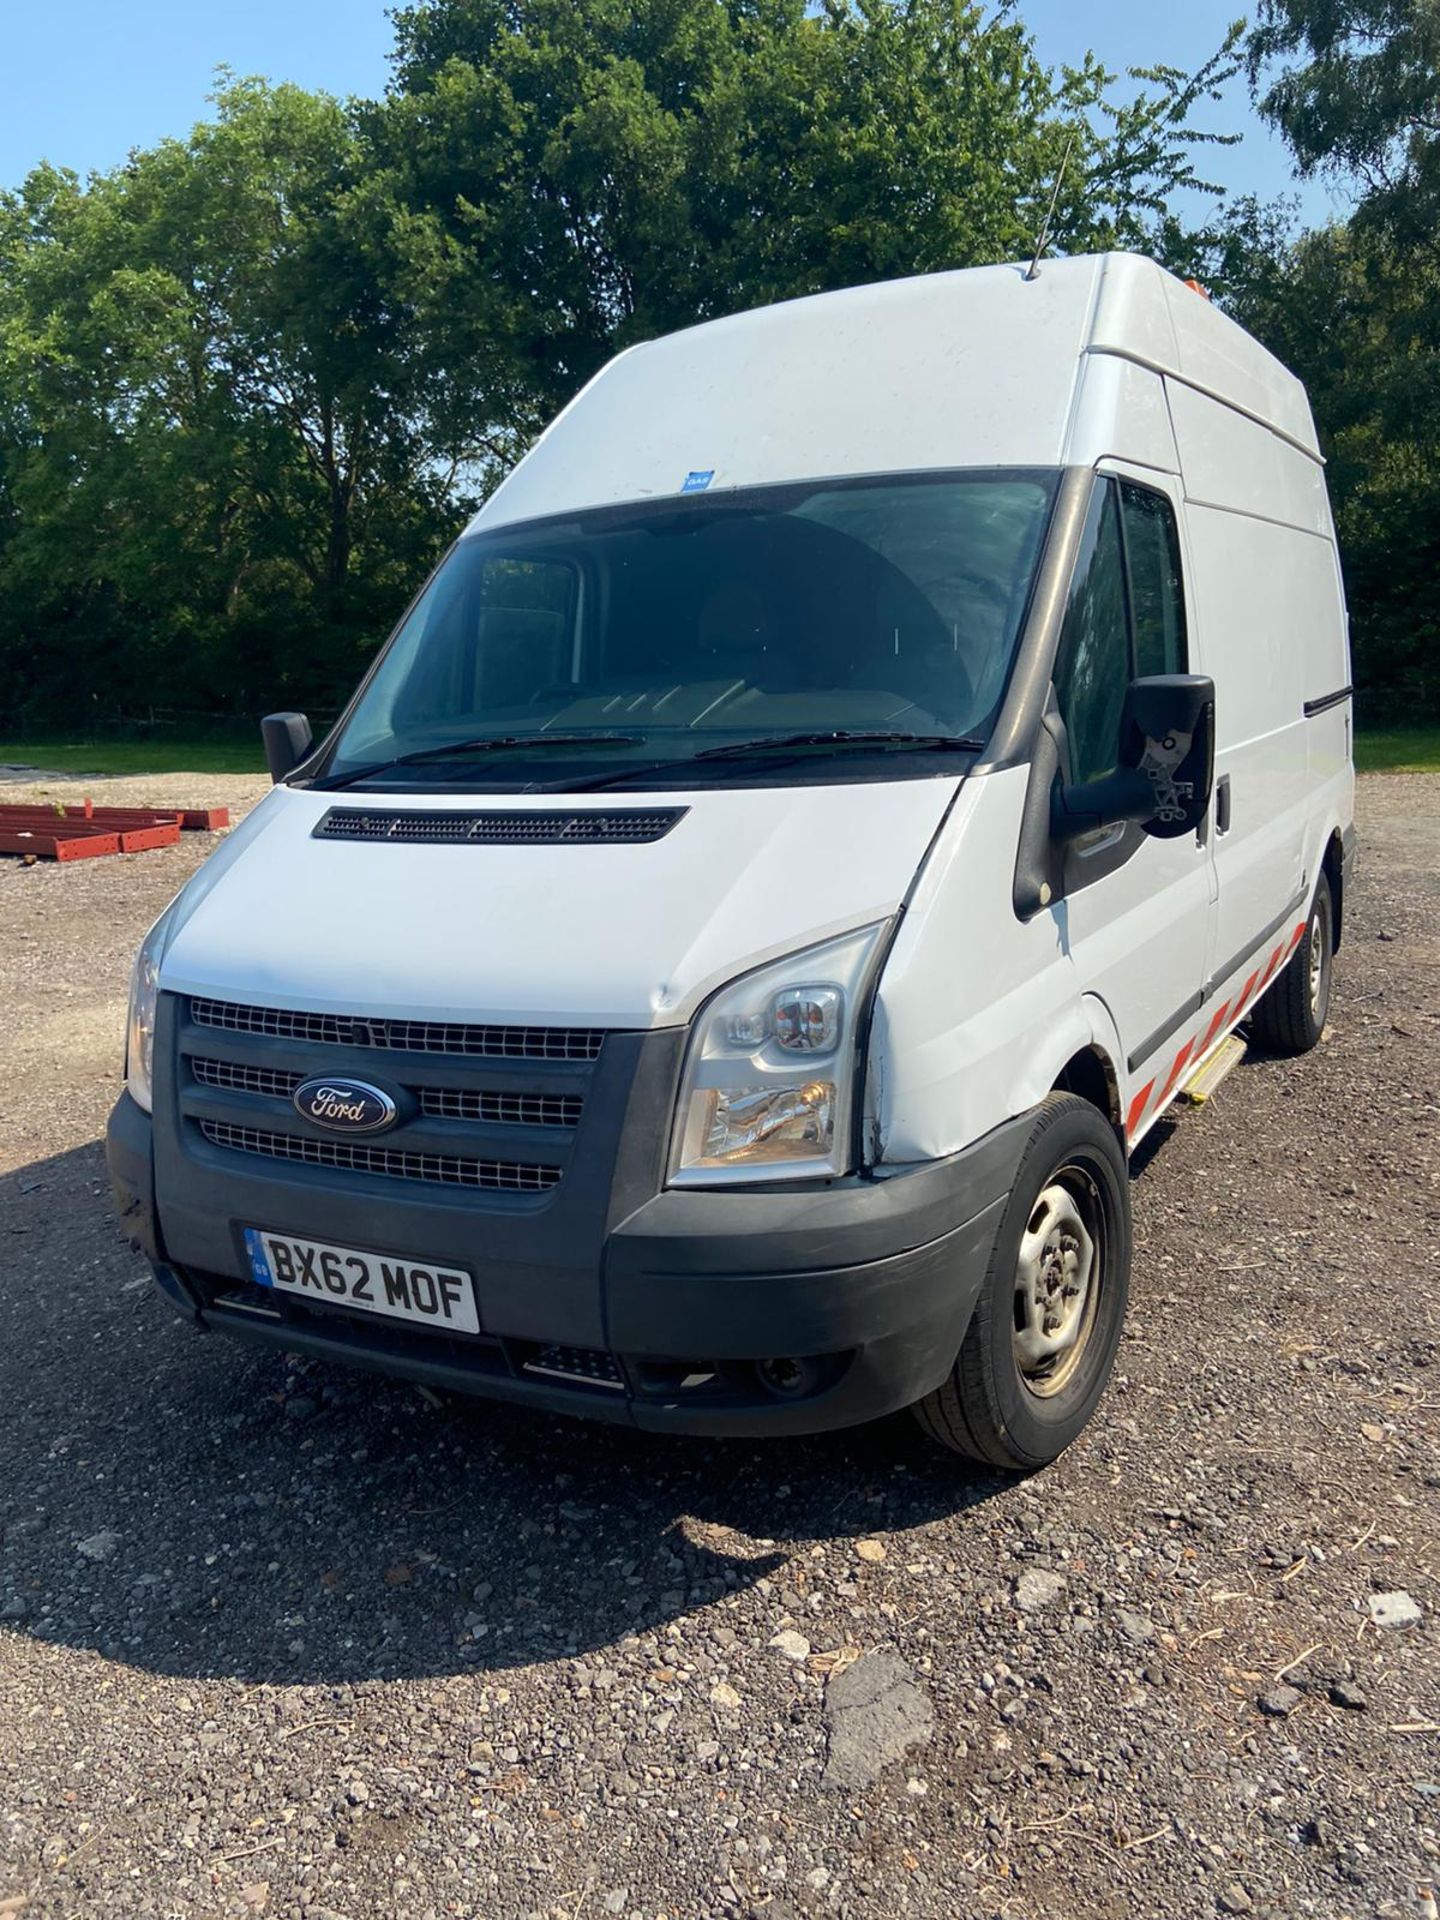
{"type": "Point", "coordinates": [292, 1641]}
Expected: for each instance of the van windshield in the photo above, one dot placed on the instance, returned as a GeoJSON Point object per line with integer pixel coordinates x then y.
{"type": "Point", "coordinates": [625, 645]}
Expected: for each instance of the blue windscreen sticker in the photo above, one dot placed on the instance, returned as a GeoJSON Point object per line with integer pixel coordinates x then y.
{"type": "Point", "coordinates": [698, 479]}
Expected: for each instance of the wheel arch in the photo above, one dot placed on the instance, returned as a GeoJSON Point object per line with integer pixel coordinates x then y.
{"type": "Point", "coordinates": [1090, 1073]}
{"type": "Point", "coordinates": [1087, 1057]}
{"type": "Point", "coordinates": [1333, 868]}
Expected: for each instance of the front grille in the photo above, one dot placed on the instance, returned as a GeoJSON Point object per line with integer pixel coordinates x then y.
{"type": "Point", "coordinates": [441, 1169]}
{"type": "Point", "coordinates": [481, 1105]}
{"type": "Point", "coordinates": [501, 1109]}
{"type": "Point", "coordinates": [629, 826]}
{"type": "Point", "coordinates": [402, 1036]}
{"type": "Point", "coordinates": [238, 1079]}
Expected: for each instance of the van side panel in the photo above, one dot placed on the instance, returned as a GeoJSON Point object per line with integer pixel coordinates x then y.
{"type": "Point", "coordinates": [1325, 667]}
{"type": "Point", "coordinates": [1257, 587]}
{"type": "Point", "coordinates": [1231, 462]}
{"type": "Point", "coordinates": [1330, 727]}
{"type": "Point", "coordinates": [1270, 626]}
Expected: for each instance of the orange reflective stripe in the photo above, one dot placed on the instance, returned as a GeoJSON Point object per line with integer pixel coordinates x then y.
{"type": "Point", "coordinates": [1137, 1107]}
{"type": "Point", "coordinates": [1199, 1048]}
{"type": "Point", "coordinates": [1214, 1027]}
{"type": "Point", "coordinates": [1246, 991]}
{"type": "Point", "coordinates": [1176, 1071]}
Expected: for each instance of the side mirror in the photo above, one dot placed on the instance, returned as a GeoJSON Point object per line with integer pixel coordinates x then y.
{"type": "Point", "coordinates": [1169, 725]}
{"type": "Point", "coordinates": [288, 741]}
{"type": "Point", "coordinates": [1166, 764]}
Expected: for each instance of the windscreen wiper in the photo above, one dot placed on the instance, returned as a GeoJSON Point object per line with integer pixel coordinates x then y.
{"type": "Point", "coordinates": [792, 744]}
{"type": "Point", "coordinates": [472, 749]}
{"type": "Point", "coordinates": [837, 737]}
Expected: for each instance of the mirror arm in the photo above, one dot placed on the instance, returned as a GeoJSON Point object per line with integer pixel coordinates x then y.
{"type": "Point", "coordinates": [1120, 798]}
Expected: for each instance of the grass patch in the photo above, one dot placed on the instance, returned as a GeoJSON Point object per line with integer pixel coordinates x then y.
{"type": "Point", "coordinates": [1383, 750]}
{"type": "Point", "coordinates": [137, 756]}
{"type": "Point", "coordinates": [1398, 750]}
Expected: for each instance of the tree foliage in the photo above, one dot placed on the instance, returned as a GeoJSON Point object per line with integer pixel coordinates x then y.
{"type": "Point", "coordinates": [216, 471]}
{"type": "Point", "coordinates": [597, 175]}
{"type": "Point", "coordinates": [1357, 91]}
{"type": "Point", "coordinates": [250, 381]}
{"type": "Point", "coordinates": [1359, 320]}
{"type": "Point", "coordinates": [1354, 86]}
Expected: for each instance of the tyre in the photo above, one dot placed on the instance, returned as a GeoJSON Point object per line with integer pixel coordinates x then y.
{"type": "Point", "coordinates": [1290, 1015]}
{"type": "Point", "coordinates": [1042, 1339]}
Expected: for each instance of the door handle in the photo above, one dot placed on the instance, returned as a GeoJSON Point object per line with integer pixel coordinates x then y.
{"type": "Point", "coordinates": [1222, 804]}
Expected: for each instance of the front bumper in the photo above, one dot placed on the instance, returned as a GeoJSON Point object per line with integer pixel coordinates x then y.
{"type": "Point", "coordinates": [866, 1286]}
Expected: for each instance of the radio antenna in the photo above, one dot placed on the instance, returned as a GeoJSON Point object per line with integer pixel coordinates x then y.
{"type": "Point", "coordinates": [1032, 272]}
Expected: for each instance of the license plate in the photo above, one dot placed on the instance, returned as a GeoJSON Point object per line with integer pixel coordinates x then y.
{"type": "Point", "coordinates": [431, 1295]}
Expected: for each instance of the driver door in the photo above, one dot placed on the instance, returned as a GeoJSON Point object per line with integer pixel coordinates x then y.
{"type": "Point", "coordinates": [1137, 909]}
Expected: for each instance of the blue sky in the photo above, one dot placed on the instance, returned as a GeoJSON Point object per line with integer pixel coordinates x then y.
{"type": "Point", "coordinates": [83, 81]}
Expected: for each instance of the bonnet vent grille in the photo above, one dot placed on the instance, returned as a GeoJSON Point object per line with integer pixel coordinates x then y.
{"type": "Point", "coordinates": [625, 827]}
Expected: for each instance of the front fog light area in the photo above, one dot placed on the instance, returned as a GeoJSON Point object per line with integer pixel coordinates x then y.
{"type": "Point", "coordinates": [769, 1079]}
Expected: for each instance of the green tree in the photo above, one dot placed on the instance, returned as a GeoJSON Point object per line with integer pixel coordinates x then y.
{"type": "Point", "coordinates": [1359, 321]}
{"type": "Point", "coordinates": [1357, 91]}
{"type": "Point", "coordinates": [247, 378]}
{"type": "Point", "coordinates": [585, 177]}
{"type": "Point", "coordinates": [1354, 86]}
{"type": "Point", "coordinates": [217, 474]}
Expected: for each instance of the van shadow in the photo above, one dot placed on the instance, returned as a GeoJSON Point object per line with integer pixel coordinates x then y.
{"type": "Point", "coordinates": [180, 1502]}
{"type": "Point", "coordinates": [1152, 1146]}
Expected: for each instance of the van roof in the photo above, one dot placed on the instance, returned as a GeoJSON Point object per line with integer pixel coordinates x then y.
{"type": "Point", "coordinates": [976, 368]}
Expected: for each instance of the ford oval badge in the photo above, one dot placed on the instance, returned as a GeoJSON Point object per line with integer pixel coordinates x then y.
{"type": "Point", "coordinates": [343, 1105]}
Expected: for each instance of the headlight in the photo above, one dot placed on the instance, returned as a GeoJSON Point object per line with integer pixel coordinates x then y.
{"type": "Point", "coordinates": [140, 1028]}
{"type": "Point", "coordinates": [769, 1082]}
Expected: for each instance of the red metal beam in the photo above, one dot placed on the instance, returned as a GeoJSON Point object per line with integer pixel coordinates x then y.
{"type": "Point", "coordinates": [191, 819]}
{"type": "Point", "coordinates": [141, 837]}
{"type": "Point", "coordinates": [66, 844]}
{"type": "Point", "coordinates": [165, 833]}
{"type": "Point", "coordinates": [195, 819]}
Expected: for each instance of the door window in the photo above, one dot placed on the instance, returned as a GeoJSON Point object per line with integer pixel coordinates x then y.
{"type": "Point", "coordinates": [1126, 617]}
{"type": "Point", "coordinates": [1152, 558]}
{"type": "Point", "coordinates": [1092, 668]}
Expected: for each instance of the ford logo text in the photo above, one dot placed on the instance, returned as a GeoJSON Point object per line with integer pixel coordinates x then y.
{"type": "Point", "coordinates": [344, 1105]}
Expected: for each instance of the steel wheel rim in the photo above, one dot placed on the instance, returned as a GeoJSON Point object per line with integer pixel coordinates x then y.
{"type": "Point", "coordinates": [1058, 1280]}
{"type": "Point", "coordinates": [1317, 965]}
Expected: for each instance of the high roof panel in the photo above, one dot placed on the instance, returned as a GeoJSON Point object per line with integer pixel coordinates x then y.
{"type": "Point", "coordinates": [967, 369]}
{"type": "Point", "coordinates": [1148, 315]}
{"type": "Point", "coordinates": [949, 370]}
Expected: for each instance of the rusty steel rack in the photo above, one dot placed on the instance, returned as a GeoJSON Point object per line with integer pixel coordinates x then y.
{"type": "Point", "coordinates": [83, 831]}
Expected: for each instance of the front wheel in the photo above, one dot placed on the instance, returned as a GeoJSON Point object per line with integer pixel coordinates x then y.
{"type": "Point", "coordinates": [1042, 1340]}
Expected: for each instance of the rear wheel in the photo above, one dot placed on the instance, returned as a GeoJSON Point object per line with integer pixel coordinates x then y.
{"type": "Point", "coordinates": [1042, 1339]}
{"type": "Point", "coordinates": [1290, 1016]}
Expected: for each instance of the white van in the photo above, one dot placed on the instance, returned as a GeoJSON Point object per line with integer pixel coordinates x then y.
{"type": "Point", "coordinates": [843, 783]}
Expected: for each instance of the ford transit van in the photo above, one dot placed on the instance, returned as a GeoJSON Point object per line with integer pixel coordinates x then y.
{"type": "Point", "coordinates": [856, 769]}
